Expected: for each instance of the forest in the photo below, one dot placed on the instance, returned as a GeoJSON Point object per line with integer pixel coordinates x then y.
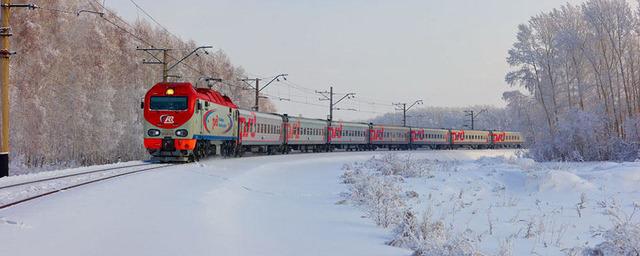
{"type": "Point", "coordinates": [576, 71]}
{"type": "Point", "coordinates": [77, 81]}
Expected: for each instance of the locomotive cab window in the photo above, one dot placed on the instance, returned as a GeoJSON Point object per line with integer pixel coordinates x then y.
{"type": "Point", "coordinates": [168, 103]}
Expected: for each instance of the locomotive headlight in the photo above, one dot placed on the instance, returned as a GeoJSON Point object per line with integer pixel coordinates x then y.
{"type": "Point", "coordinates": [153, 132]}
{"type": "Point", "coordinates": [182, 133]}
{"type": "Point", "coordinates": [169, 91]}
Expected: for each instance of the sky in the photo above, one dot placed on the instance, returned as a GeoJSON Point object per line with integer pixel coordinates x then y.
{"type": "Point", "coordinates": [446, 53]}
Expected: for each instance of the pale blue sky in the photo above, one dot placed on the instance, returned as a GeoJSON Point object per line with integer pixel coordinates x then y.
{"type": "Point", "coordinates": [448, 53]}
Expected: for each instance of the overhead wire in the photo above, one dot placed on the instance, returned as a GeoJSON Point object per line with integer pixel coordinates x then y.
{"type": "Point", "coordinates": [138, 37]}
{"type": "Point", "coordinates": [151, 17]}
{"type": "Point", "coordinates": [303, 89]}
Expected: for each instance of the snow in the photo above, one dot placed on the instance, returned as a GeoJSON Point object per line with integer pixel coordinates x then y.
{"type": "Point", "coordinates": [279, 205]}
{"type": "Point", "coordinates": [18, 192]}
{"type": "Point", "coordinates": [294, 205]}
{"type": "Point", "coordinates": [532, 208]}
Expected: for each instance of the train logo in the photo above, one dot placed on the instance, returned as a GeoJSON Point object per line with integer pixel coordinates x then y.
{"type": "Point", "coordinates": [248, 126]}
{"type": "Point", "coordinates": [498, 136]}
{"type": "Point", "coordinates": [457, 136]}
{"type": "Point", "coordinates": [418, 134]}
{"type": "Point", "coordinates": [335, 132]}
{"type": "Point", "coordinates": [294, 130]}
{"type": "Point", "coordinates": [167, 119]}
{"type": "Point", "coordinates": [377, 134]}
{"type": "Point", "coordinates": [216, 122]}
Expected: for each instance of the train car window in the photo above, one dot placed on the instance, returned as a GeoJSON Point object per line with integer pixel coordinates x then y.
{"type": "Point", "coordinates": [168, 103]}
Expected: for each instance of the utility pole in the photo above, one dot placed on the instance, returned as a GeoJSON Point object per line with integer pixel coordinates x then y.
{"type": "Point", "coordinates": [404, 108]}
{"type": "Point", "coordinates": [258, 89]}
{"type": "Point", "coordinates": [5, 54]}
{"type": "Point", "coordinates": [328, 95]}
{"type": "Point", "coordinates": [165, 59]}
{"type": "Point", "coordinates": [472, 116]}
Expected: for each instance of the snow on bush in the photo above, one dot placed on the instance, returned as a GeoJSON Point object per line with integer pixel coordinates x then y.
{"type": "Point", "coordinates": [431, 237]}
{"type": "Point", "coordinates": [379, 195]}
{"type": "Point", "coordinates": [375, 186]}
{"type": "Point", "coordinates": [623, 238]}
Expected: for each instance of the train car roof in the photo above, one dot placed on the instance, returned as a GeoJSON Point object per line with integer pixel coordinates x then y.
{"type": "Point", "coordinates": [306, 118]}
{"type": "Point", "coordinates": [347, 122]}
{"type": "Point", "coordinates": [392, 126]}
{"type": "Point", "coordinates": [200, 93]}
{"type": "Point", "coordinates": [215, 96]}
{"type": "Point", "coordinates": [262, 113]}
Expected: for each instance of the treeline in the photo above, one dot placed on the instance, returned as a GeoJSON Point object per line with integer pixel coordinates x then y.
{"type": "Point", "coordinates": [488, 118]}
{"type": "Point", "coordinates": [580, 67]}
{"type": "Point", "coordinates": [77, 81]}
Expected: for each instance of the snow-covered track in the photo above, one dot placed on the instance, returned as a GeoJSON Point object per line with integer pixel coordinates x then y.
{"type": "Point", "coordinates": [77, 184]}
{"type": "Point", "coordinates": [70, 175]}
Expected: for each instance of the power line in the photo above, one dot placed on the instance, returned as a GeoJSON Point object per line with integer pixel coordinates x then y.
{"type": "Point", "coordinates": [127, 32]}
{"type": "Point", "coordinates": [151, 17]}
{"type": "Point", "coordinates": [303, 89]}
{"type": "Point", "coordinates": [140, 38]}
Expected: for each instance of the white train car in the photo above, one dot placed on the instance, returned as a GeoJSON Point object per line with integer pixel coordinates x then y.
{"type": "Point", "coordinates": [348, 136]}
{"type": "Point", "coordinates": [306, 134]}
{"type": "Point", "coordinates": [429, 138]}
{"type": "Point", "coordinates": [391, 137]}
{"type": "Point", "coordinates": [470, 138]}
{"type": "Point", "coordinates": [260, 132]}
{"type": "Point", "coordinates": [507, 139]}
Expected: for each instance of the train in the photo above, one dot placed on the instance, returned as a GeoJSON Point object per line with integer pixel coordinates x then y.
{"type": "Point", "coordinates": [184, 123]}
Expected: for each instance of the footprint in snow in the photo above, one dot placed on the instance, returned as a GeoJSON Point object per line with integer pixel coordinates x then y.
{"type": "Point", "coordinates": [12, 222]}
{"type": "Point", "coordinates": [258, 191]}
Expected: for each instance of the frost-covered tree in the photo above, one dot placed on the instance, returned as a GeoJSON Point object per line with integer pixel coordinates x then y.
{"type": "Point", "coordinates": [579, 68]}
{"type": "Point", "coordinates": [77, 81]}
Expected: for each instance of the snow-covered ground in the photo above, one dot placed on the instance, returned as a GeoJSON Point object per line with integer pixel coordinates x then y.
{"type": "Point", "coordinates": [294, 205]}
{"type": "Point", "coordinates": [500, 205]}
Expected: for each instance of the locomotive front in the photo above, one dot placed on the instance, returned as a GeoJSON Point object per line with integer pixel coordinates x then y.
{"type": "Point", "coordinates": [168, 109]}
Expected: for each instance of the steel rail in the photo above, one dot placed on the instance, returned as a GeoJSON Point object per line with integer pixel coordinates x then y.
{"type": "Point", "coordinates": [78, 185]}
{"type": "Point", "coordinates": [70, 175]}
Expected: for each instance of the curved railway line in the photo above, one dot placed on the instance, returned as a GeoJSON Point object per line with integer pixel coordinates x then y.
{"type": "Point", "coordinates": [152, 166]}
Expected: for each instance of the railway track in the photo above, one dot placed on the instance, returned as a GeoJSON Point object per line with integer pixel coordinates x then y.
{"type": "Point", "coordinates": [109, 173]}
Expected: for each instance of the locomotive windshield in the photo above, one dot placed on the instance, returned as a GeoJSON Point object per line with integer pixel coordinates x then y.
{"type": "Point", "coordinates": [168, 103]}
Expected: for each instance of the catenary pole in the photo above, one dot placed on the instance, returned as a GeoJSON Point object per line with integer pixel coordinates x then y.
{"type": "Point", "coordinates": [5, 54]}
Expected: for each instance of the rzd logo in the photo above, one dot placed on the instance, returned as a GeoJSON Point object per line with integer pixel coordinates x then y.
{"type": "Point", "coordinates": [166, 119]}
